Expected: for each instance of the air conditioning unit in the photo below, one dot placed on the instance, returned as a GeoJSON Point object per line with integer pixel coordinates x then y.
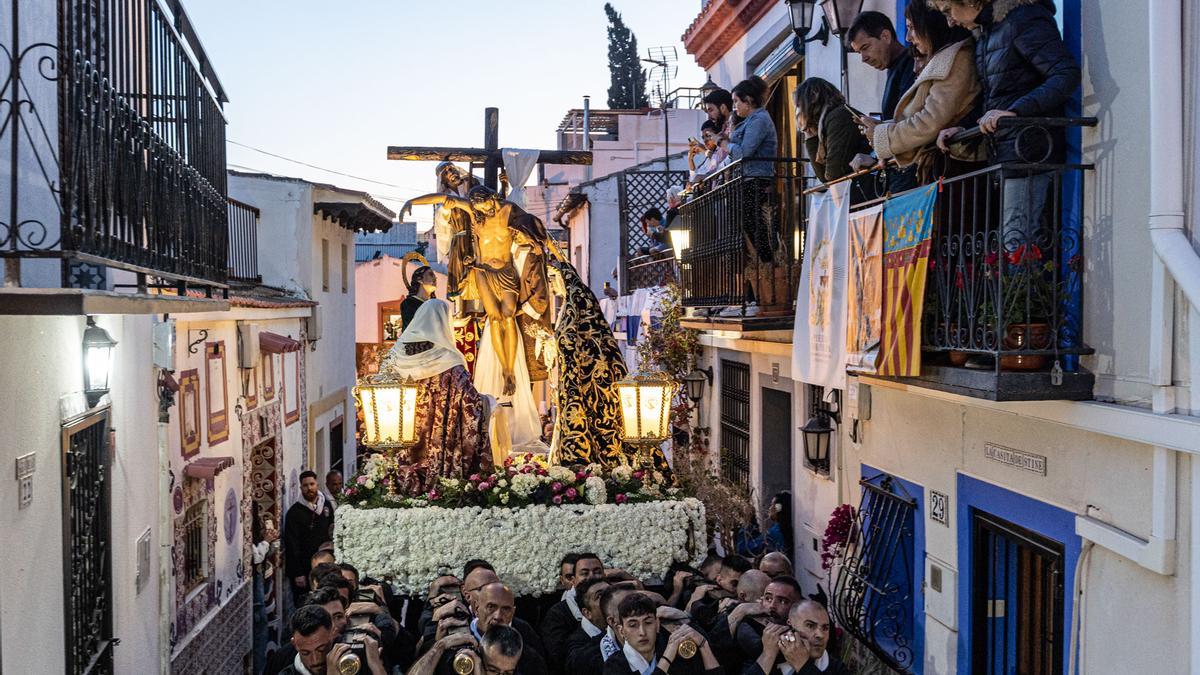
{"type": "Point", "coordinates": [249, 352]}
{"type": "Point", "coordinates": [313, 324]}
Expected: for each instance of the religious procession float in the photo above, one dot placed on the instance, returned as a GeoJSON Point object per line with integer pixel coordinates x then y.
{"type": "Point", "coordinates": [460, 469]}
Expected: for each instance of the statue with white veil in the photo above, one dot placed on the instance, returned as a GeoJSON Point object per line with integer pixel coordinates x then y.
{"type": "Point", "coordinates": [452, 416]}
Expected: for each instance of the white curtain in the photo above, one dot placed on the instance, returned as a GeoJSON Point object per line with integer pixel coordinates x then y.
{"type": "Point", "coordinates": [518, 164]}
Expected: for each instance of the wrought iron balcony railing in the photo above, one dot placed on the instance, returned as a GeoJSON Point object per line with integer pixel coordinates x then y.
{"type": "Point", "coordinates": [650, 271]}
{"type": "Point", "coordinates": [112, 121]}
{"type": "Point", "coordinates": [746, 237]}
{"type": "Point", "coordinates": [243, 241]}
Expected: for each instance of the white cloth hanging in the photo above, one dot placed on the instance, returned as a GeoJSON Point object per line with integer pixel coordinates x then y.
{"type": "Point", "coordinates": [431, 323]}
{"type": "Point", "coordinates": [525, 425]}
{"type": "Point", "coordinates": [518, 164]}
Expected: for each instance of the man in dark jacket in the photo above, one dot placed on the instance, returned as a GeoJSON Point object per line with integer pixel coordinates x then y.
{"type": "Point", "coordinates": [873, 36]}
{"type": "Point", "coordinates": [800, 645]}
{"type": "Point", "coordinates": [307, 525]}
{"type": "Point", "coordinates": [563, 618]}
{"type": "Point", "coordinates": [583, 647]}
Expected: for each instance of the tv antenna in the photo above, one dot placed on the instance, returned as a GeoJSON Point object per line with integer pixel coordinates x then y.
{"type": "Point", "coordinates": [666, 68]}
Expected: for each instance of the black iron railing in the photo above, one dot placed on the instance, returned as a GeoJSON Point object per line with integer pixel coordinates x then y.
{"type": "Point", "coordinates": [745, 236]}
{"type": "Point", "coordinates": [650, 271]}
{"type": "Point", "coordinates": [1005, 280]}
{"type": "Point", "coordinates": [134, 163]}
{"type": "Point", "coordinates": [874, 586]}
{"type": "Point", "coordinates": [243, 241]}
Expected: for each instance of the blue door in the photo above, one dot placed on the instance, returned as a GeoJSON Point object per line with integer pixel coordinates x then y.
{"type": "Point", "coordinates": [1017, 600]}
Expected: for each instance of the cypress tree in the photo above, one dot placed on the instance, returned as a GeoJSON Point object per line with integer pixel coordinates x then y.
{"type": "Point", "coordinates": [628, 80]}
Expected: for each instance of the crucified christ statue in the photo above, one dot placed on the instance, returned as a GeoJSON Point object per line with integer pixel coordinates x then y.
{"type": "Point", "coordinates": [488, 258]}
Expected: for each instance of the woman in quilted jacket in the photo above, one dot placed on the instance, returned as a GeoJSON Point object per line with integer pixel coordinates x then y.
{"type": "Point", "coordinates": [1026, 71]}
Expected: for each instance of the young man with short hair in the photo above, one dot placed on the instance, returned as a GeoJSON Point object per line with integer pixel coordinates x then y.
{"type": "Point", "coordinates": [318, 652]}
{"type": "Point", "coordinates": [583, 647]}
{"type": "Point", "coordinates": [873, 37]}
{"type": "Point", "coordinates": [564, 617]}
{"type": "Point", "coordinates": [648, 648]}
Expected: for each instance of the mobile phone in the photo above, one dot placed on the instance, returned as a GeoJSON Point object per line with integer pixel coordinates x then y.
{"type": "Point", "coordinates": [852, 110]}
{"type": "Point", "coordinates": [693, 141]}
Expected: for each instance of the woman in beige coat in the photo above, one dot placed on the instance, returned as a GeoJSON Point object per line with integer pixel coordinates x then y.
{"type": "Point", "coordinates": [944, 94]}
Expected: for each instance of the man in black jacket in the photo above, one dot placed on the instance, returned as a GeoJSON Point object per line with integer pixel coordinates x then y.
{"type": "Point", "coordinates": [800, 645]}
{"type": "Point", "coordinates": [647, 645]}
{"type": "Point", "coordinates": [873, 36]}
{"type": "Point", "coordinates": [563, 618]}
{"type": "Point", "coordinates": [307, 525]}
{"type": "Point", "coordinates": [583, 647]}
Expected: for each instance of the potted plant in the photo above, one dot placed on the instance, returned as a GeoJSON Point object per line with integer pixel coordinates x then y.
{"type": "Point", "coordinates": [1028, 300]}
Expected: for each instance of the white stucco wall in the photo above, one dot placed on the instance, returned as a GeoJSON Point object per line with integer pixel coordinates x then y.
{"type": "Point", "coordinates": [379, 281]}
{"type": "Point", "coordinates": [41, 363]}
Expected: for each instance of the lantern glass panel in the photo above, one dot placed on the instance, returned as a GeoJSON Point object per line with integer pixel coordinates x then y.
{"type": "Point", "coordinates": [681, 239]}
{"type": "Point", "coordinates": [98, 367]}
{"type": "Point", "coordinates": [802, 13]}
{"type": "Point", "coordinates": [630, 409]}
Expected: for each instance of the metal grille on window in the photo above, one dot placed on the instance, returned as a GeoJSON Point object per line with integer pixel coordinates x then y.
{"type": "Point", "coordinates": [639, 191]}
{"type": "Point", "coordinates": [87, 569]}
{"type": "Point", "coordinates": [735, 422]}
{"type": "Point", "coordinates": [195, 540]}
{"type": "Point", "coordinates": [873, 594]}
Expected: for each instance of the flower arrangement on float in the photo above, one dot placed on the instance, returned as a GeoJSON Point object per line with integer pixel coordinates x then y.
{"type": "Point", "coordinates": [525, 480]}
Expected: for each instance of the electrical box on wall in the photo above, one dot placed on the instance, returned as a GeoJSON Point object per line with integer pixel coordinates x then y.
{"type": "Point", "coordinates": [858, 400]}
{"type": "Point", "coordinates": [249, 353]}
{"type": "Point", "coordinates": [941, 592]}
{"type": "Point", "coordinates": [164, 345]}
{"type": "Point", "coordinates": [313, 324]}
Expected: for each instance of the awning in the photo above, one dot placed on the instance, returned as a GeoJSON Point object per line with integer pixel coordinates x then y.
{"type": "Point", "coordinates": [207, 467]}
{"type": "Point", "coordinates": [276, 343]}
{"type": "Point", "coordinates": [355, 216]}
{"type": "Point", "coordinates": [779, 62]}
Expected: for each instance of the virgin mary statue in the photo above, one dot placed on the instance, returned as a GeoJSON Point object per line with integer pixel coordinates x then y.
{"type": "Point", "coordinates": [452, 416]}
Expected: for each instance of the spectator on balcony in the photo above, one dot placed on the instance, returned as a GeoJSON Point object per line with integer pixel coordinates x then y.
{"type": "Point", "coordinates": [943, 95]}
{"type": "Point", "coordinates": [718, 105]}
{"type": "Point", "coordinates": [714, 158]}
{"type": "Point", "coordinates": [873, 36]}
{"type": "Point", "coordinates": [656, 233]}
{"type": "Point", "coordinates": [1026, 71]}
{"type": "Point", "coordinates": [754, 143]}
{"type": "Point", "coordinates": [831, 138]}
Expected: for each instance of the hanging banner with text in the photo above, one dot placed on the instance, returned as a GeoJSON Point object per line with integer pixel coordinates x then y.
{"type": "Point", "coordinates": [864, 289]}
{"type": "Point", "coordinates": [819, 334]}
{"type": "Point", "coordinates": [908, 228]}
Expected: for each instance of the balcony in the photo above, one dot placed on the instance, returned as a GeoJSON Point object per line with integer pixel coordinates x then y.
{"type": "Point", "coordinates": [1002, 317]}
{"type": "Point", "coordinates": [243, 242]}
{"type": "Point", "coordinates": [720, 277]}
{"type": "Point", "coordinates": [114, 138]}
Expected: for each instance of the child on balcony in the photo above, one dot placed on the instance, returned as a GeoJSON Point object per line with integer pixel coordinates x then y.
{"type": "Point", "coordinates": [1026, 71]}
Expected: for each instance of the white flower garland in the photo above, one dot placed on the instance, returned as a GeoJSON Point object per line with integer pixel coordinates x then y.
{"type": "Point", "coordinates": [413, 546]}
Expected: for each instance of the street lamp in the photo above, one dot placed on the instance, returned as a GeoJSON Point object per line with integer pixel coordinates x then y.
{"type": "Point", "coordinates": [841, 14]}
{"type": "Point", "coordinates": [681, 238]}
{"type": "Point", "coordinates": [818, 431]}
{"type": "Point", "coordinates": [801, 12]}
{"type": "Point", "coordinates": [97, 361]}
{"type": "Point", "coordinates": [389, 406]}
{"type": "Point", "coordinates": [646, 410]}
{"type": "Point", "coordinates": [694, 382]}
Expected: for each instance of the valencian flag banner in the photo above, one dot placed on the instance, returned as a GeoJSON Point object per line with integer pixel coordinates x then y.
{"type": "Point", "coordinates": [908, 228]}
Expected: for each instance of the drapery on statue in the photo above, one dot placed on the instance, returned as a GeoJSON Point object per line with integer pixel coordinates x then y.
{"type": "Point", "coordinates": [491, 275]}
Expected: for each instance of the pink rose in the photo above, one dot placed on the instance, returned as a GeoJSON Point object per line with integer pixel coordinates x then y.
{"type": "Point", "coordinates": [580, 476]}
{"type": "Point", "coordinates": [556, 487]}
{"type": "Point", "coordinates": [484, 486]}
{"type": "Point", "coordinates": [572, 493]}
{"type": "Point", "coordinates": [622, 498]}
{"type": "Point", "coordinates": [527, 469]}
{"type": "Point", "coordinates": [474, 478]}
{"type": "Point", "coordinates": [557, 499]}
{"type": "Point", "coordinates": [639, 474]}
{"type": "Point", "coordinates": [362, 480]}
{"type": "Point", "coordinates": [434, 496]}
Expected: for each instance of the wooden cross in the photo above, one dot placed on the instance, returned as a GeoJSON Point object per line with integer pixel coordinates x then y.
{"type": "Point", "coordinates": [489, 155]}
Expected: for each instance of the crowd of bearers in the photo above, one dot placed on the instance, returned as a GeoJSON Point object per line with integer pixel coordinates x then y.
{"type": "Point", "coordinates": [729, 617]}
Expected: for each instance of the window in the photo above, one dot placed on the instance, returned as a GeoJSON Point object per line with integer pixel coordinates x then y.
{"type": "Point", "coordinates": [195, 542]}
{"type": "Point", "coordinates": [874, 598]}
{"type": "Point", "coordinates": [325, 265]}
{"type": "Point", "coordinates": [735, 422]}
{"type": "Point", "coordinates": [268, 376]}
{"type": "Point", "coordinates": [345, 268]}
{"type": "Point", "coordinates": [217, 392]}
{"type": "Point", "coordinates": [291, 387]}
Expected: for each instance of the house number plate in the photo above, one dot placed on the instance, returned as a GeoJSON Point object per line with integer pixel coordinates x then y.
{"type": "Point", "coordinates": [939, 507]}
